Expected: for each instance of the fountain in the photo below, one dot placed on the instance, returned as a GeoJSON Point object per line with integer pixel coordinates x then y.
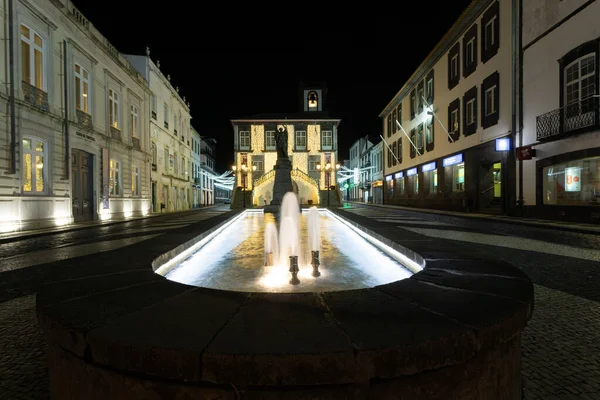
{"type": "Point", "coordinates": [314, 238]}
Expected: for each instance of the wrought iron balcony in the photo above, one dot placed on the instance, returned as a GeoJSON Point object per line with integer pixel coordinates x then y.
{"type": "Point", "coordinates": [84, 119]}
{"type": "Point", "coordinates": [115, 133]}
{"type": "Point", "coordinates": [578, 117]}
{"type": "Point", "coordinates": [35, 96]}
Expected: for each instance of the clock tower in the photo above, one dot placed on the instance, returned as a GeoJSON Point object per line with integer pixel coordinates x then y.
{"type": "Point", "coordinates": [312, 96]}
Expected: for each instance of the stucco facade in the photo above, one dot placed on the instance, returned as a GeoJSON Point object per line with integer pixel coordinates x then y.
{"type": "Point", "coordinates": [561, 44]}
{"type": "Point", "coordinates": [170, 133]}
{"type": "Point", "coordinates": [443, 124]}
{"type": "Point", "coordinates": [76, 148]}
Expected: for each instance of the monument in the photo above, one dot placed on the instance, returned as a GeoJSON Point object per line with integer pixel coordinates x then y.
{"type": "Point", "coordinates": [283, 169]}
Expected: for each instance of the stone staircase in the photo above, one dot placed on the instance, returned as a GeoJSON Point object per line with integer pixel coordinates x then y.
{"type": "Point", "coordinates": [237, 201]}
{"type": "Point", "coordinates": [335, 199]}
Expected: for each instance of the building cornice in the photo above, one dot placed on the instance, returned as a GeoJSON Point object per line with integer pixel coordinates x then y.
{"type": "Point", "coordinates": [39, 14]}
{"type": "Point", "coordinates": [167, 83]}
{"type": "Point", "coordinates": [466, 19]}
{"type": "Point", "coordinates": [82, 50]}
{"type": "Point", "coordinates": [234, 121]}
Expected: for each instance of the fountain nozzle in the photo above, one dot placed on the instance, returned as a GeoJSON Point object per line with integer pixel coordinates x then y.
{"type": "Point", "coordinates": [269, 259]}
{"type": "Point", "coordinates": [315, 263]}
{"type": "Point", "coordinates": [294, 270]}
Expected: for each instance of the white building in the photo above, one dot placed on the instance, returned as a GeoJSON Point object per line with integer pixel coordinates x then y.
{"type": "Point", "coordinates": [207, 169]}
{"type": "Point", "coordinates": [561, 118]}
{"type": "Point", "coordinates": [74, 148]}
{"type": "Point", "coordinates": [171, 138]}
{"type": "Point", "coordinates": [375, 172]}
{"type": "Point", "coordinates": [196, 170]}
{"type": "Point", "coordinates": [454, 108]}
{"type": "Point", "coordinates": [357, 160]}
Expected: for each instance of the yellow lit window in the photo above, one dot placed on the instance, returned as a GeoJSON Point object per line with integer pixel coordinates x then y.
{"type": "Point", "coordinates": [33, 166]}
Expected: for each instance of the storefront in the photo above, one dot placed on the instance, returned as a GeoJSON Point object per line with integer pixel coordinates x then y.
{"type": "Point", "coordinates": [476, 179]}
{"type": "Point", "coordinates": [568, 186]}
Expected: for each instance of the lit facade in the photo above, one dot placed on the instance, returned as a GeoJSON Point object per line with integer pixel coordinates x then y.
{"type": "Point", "coordinates": [207, 170]}
{"type": "Point", "coordinates": [375, 172]}
{"type": "Point", "coordinates": [170, 133]}
{"type": "Point", "coordinates": [358, 185]}
{"type": "Point", "coordinates": [71, 149]}
{"type": "Point", "coordinates": [196, 180]}
{"type": "Point", "coordinates": [312, 142]}
{"type": "Point", "coordinates": [457, 109]}
{"type": "Point", "coordinates": [560, 172]}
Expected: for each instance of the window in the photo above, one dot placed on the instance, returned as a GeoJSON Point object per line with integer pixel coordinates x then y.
{"type": "Point", "coordinates": [115, 178]}
{"type": "Point", "coordinates": [82, 89]}
{"type": "Point", "coordinates": [135, 181]}
{"type": "Point", "coordinates": [389, 158]}
{"type": "Point", "coordinates": [580, 85]}
{"type": "Point", "coordinates": [490, 106]}
{"type": "Point", "coordinates": [394, 152]}
{"type": "Point", "coordinates": [327, 140]}
{"type": "Point", "coordinates": [300, 140]}
{"type": "Point", "coordinates": [490, 32]}
{"type": "Point", "coordinates": [490, 97]}
{"type": "Point", "coordinates": [113, 108]}
{"type": "Point", "coordinates": [399, 114]}
{"type": "Point", "coordinates": [154, 155]}
{"type": "Point", "coordinates": [421, 96]}
{"type": "Point", "coordinates": [389, 125]}
{"type": "Point", "coordinates": [312, 165]}
{"type": "Point", "coordinates": [399, 154]}
{"type": "Point", "coordinates": [135, 122]}
{"type": "Point", "coordinates": [429, 88]}
{"type": "Point", "coordinates": [458, 177]}
{"type": "Point", "coordinates": [259, 165]}
{"type": "Point", "coordinates": [420, 138]}
{"type": "Point", "coordinates": [175, 121]}
{"type": "Point", "coordinates": [313, 99]}
{"type": "Point", "coordinates": [153, 106]}
{"type": "Point", "coordinates": [413, 139]}
{"type": "Point", "coordinates": [175, 164]}
{"type": "Point", "coordinates": [32, 58]}
{"type": "Point", "coordinates": [454, 120]}
{"type": "Point", "coordinates": [166, 115]}
{"type": "Point", "coordinates": [167, 159]}
{"type": "Point", "coordinates": [573, 183]}
{"type": "Point", "coordinates": [34, 166]}
{"type": "Point", "coordinates": [429, 134]}
{"type": "Point", "coordinates": [270, 142]}
{"type": "Point", "coordinates": [470, 112]}
{"type": "Point", "coordinates": [430, 181]}
{"type": "Point", "coordinates": [413, 104]}
{"type": "Point", "coordinates": [454, 66]}
{"type": "Point", "coordinates": [244, 140]}
{"type": "Point", "coordinates": [183, 169]}
{"type": "Point", "coordinates": [470, 52]}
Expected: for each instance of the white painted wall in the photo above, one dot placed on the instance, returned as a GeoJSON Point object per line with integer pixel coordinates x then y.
{"type": "Point", "coordinates": [541, 87]}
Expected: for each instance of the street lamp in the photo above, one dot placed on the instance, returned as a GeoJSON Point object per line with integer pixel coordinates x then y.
{"type": "Point", "coordinates": [244, 171]}
{"type": "Point", "coordinates": [328, 176]}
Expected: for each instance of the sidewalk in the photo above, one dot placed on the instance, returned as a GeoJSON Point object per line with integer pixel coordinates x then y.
{"type": "Point", "coordinates": [565, 226]}
{"type": "Point", "coordinates": [11, 236]}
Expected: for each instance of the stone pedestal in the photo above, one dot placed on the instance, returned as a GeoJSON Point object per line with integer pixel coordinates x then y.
{"type": "Point", "coordinates": [282, 185]}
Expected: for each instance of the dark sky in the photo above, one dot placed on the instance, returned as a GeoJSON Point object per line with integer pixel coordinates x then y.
{"type": "Point", "coordinates": [232, 62]}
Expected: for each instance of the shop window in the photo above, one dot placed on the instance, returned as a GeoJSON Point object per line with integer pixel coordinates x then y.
{"type": "Point", "coordinates": [458, 177]}
{"type": "Point", "coordinates": [573, 183]}
{"type": "Point", "coordinates": [430, 179]}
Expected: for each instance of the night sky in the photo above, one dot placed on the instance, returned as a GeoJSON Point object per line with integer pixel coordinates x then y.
{"type": "Point", "coordinates": [231, 62]}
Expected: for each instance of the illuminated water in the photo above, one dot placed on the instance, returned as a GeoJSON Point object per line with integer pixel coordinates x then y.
{"type": "Point", "coordinates": [234, 260]}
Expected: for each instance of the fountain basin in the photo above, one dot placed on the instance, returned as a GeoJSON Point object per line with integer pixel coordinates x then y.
{"type": "Point", "coordinates": [449, 331]}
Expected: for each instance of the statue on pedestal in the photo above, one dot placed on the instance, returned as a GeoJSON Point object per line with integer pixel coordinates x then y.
{"type": "Point", "coordinates": [281, 140]}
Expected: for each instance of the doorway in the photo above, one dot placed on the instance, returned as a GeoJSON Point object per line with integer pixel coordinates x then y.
{"type": "Point", "coordinates": [490, 196]}
{"type": "Point", "coordinates": [154, 205]}
{"type": "Point", "coordinates": [82, 185]}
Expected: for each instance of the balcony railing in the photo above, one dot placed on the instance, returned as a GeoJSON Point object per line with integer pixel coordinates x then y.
{"type": "Point", "coordinates": [576, 117]}
{"type": "Point", "coordinates": [115, 133]}
{"type": "Point", "coordinates": [136, 143]}
{"type": "Point", "coordinates": [35, 96]}
{"type": "Point", "coordinates": [84, 119]}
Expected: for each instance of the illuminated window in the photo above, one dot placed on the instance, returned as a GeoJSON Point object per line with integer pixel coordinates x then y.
{"type": "Point", "coordinates": [259, 165]}
{"type": "Point", "coordinates": [270, 143]}
{"type": "Point", "coordinates": [300, 140]}
{"type": "Point", "coordinates": [429, 132]}
{"type": "Point", "coordinates": [115, 178]}
{"type": "Point", "coordinates": [32, 58]}
{"type": "Point", "coordinates": [313, 99]}
{"type": "Point", "coordinates": [113, 108]}
{"type": "Point", "coordinates": [135, 181]}
{"type": "Point", "coordinates": [34, 167]}
{"type": "Point", "coordinates": [135, 121]}
{"type": "Point", "coordinates": [82, 89]}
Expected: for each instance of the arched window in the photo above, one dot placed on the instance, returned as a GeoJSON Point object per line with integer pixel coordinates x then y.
{"type": "Point", "coordinates": [35, 166]}
{"type": "Point", "coordinates": [313, 99]}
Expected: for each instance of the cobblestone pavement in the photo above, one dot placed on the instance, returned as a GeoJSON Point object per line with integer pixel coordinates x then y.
{"type": "Point", "coordinates": [561, 344]}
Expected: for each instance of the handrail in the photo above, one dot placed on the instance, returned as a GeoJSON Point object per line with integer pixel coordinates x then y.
{"type": "Point", "coordinates": [305, 176]}
{"type": "Point", "coordinates": [488, 189]}
{"type": "Point", "coordinates": [263, 178]}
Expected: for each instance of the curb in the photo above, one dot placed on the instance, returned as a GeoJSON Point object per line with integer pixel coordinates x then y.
{"type": "Point", "coordinates": [29, 234]}
{"type": "Point", "coordinates": [549, 225]}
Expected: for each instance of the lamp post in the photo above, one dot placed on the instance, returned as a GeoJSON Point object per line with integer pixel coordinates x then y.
{"type": "Point", "coordinates": [328, 176]}
{"type": "Point", "coordinates": [244, 171]}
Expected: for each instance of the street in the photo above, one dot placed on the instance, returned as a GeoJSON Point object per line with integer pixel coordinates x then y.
{"type": "Point", "coordinates": [561, 344]}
